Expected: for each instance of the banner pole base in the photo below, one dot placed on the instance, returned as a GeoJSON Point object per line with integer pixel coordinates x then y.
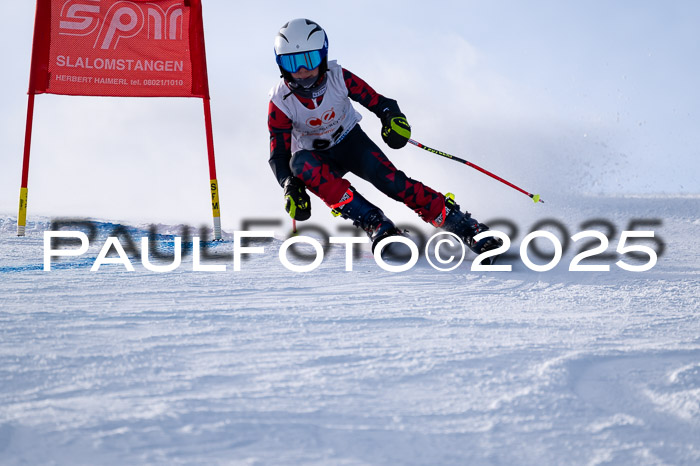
{"type": "Point", "coordinates": [217, 228]}
{"type": "Point", "coordinates": [214, 187]}
{"type": "Point", "coordinates": [22, 215]}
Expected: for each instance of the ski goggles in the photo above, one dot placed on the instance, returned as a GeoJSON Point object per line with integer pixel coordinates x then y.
{"type": "Point", "coordinates": [295, 61]}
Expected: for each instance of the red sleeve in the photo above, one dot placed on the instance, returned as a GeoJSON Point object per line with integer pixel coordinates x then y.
{"type": "Point", "coordinates": [280, 127]}
{"type": "Point", "coordinates": [361, 92]}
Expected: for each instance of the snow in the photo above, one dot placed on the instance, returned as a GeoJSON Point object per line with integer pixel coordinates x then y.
{"type": "Point", "coordinates": [268, 366]}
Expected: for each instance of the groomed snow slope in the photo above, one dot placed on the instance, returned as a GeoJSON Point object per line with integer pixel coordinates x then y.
{"type": "Point", "coordinates": [267, 366]}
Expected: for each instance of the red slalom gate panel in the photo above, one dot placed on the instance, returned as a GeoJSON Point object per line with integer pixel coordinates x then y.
{"type": "Point", "coordinates": [119, 48]}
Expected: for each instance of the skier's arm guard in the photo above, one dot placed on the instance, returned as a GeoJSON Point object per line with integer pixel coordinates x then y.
{"type": "Point", "coordinates": [361, 92]}
{"type": "Point", "coordinates": [280, 127]}
{"type": "Point", "coordinates": [280, 166]}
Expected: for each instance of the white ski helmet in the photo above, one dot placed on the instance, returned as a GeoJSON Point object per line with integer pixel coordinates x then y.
{"type": "Point", "coordinates": [301, 43]}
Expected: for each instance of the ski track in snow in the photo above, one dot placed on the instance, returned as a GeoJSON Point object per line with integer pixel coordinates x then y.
{"type": "Point", "coordinates": [267, 366]}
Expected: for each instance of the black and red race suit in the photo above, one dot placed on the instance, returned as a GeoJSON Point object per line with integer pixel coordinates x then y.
{"type": "Point", "coordinates": [322, 169]}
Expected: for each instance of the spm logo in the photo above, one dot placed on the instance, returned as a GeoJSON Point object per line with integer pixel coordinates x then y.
{"type": "Point", "coordinates": [122, 20]}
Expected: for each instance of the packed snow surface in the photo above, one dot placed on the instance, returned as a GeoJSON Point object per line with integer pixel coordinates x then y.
{"type": "Point", "coordinates": [269, 366]}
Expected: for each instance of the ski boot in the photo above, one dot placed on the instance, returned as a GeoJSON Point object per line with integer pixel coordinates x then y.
{"type": "Point", "coordinates": [365, 215]}
{"type": "Point", "coordinates": [463, 225]}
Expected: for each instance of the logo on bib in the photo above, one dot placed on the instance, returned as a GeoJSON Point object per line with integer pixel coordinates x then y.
{"type": "Point", "coordinates": [325, 118]}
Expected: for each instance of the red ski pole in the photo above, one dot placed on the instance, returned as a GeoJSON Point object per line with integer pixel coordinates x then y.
{"type": "Point", "coordinates": [534, 197]}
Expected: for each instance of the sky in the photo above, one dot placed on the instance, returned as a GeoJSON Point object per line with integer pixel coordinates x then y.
{"type": "Point", "coordinates": [560, 98]}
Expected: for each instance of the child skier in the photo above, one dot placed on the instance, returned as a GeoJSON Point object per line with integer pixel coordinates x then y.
{"type": "Point", "coordinates": [315, 139]}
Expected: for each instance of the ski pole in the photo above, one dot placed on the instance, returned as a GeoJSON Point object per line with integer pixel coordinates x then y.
{"type": "Point", "coordinates": [534, 197]}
